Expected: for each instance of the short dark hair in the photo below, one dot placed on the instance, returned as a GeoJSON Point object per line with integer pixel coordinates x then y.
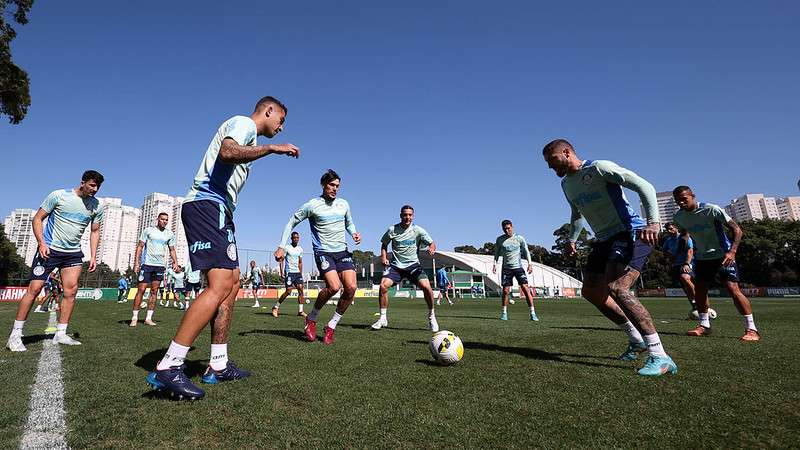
{"type": "Point", "coordinates": [406, 207]}
{"type": "Point", "coordinates": [163, 214]}
{"type": "Point", "coordinates": [680, 190]}
{"type": "Point", "coordinates": [505, 222]}
{"type": "Point", "coordinates": [329, 176]}
{"type": "Point", "coordinates": [270, 99]}
{"type": "Point", "coordinates": [555, 144]}
{"type": "Point", "coordinates": [295, 232]}
{"type": "Point", "coordinates": [93, 175]}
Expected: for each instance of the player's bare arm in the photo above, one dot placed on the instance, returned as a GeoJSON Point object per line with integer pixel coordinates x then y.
{"type": "Point", "coordinates": [232, 153]}
{"type": "Point", "coordinates": [94, 241]}
{"type": "Point", "coordinates": [736, 231]}
{"type": "Point", "coordinates": [38, 232]}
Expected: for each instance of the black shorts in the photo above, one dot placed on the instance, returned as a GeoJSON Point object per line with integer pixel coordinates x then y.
{"type": "Point", "coordinates": [180, 291]}
{"type": "Point", "coordinates": [148, 274]}
{"type": "Point", "coordinates": [338, 261]}
{"type": "Point", "coordinates": [210, 235]}
{"type": "Point", "coordinates": [192, 287]}
{"type": "Point", "coordinates": [507, 276]}
{"type": "Point", "coordinates": [706, 270]}
{"type": "Point", "coordinates": [676, 272]}
{"type": "Point", "coordinates": [412, 273]}
{"type": "Point", "coordinates": [41, 268]}
{"type": "Point", "coordinates": [619, 249]}
{"type": "Point", "coordinates": [294, 279]}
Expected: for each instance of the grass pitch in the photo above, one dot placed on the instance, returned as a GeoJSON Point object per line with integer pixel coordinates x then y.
{"type": "Point", "coordinates": [555, 383]}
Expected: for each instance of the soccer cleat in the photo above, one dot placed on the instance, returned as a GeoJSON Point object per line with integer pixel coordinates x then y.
{"type": "Point", "coordinates": [65, 340]}
{"type": "Point", "coordinates": [229, 373]}
{"type": "Point", "coordinates": [311, 330]}
{"type": "Point", "coordinates": [750, 335]}
{"type": "Point", "coordinates": [161, 303]}
{"type": "Point", "coordinates": [175, 382]}
{"type": "Point", "coordinates": [274, 312]}
{"type": "Point", "coordinates": [438, 302]}
{"type": "Point", "coordinates": [632, 353]}
{"type": "Point", "coordinates": [133, 323]}
{"type": "Point", "coordinates": [432, 324]}
{"type": "Point", "coordinates": [302, 314]}
{"type": "Point", "coordinates": [381, 323]}
{"type": "Point", "coordinates": [503, 316]}
{"type": "Point", "coordinates": [658, 365]}
{"type": "Point", "coordinates": [534, 317]}
{"type": "Point", "coordinates": [15, 343]}
{"type": "Point", "coordinates": [150, 322]}
{"type": "Point", "coordinates": [328, 338]}
{"type": "Point", "coordinates": [38, 309]}
{"type": "Point", "coordinates": [699, 331]}
{"type": "Point", "coordinates": [257, 305]}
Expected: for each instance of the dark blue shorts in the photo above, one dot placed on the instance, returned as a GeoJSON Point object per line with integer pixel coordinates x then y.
{"type": "Point", "coordinates": [192, 287]}
{"type": "Point", "coordinates": [677, 271]}
{"type": "Point", "coordinates": [210, 235]}
{"type": "Point", "coordinates": [180, 291]}
{"type": "Point", "coordinates": [148, 274]}
{"type": "Point", "coordinates": [338, 261]}
{"type": "Point", "coordinates": [294, 279]}
{"type": "Point", "coordinates": [619, 249]}
{"type": "Point", "coordinates": [706, 270]}
{"type": "Point", "coordinates": [412, 273]}
{"type": "Point", "coordinates": [508, 276]}
{"type": "Point", "coordinates": [41, 268]}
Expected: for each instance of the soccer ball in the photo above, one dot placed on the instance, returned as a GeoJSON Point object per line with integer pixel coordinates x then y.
{"type": "Point", "coordinates": [446, 348]}
{"type": "Point", "coordinates": [308, 301]}
{"type": "Point", "coordinates": [511, 301]}
{"type": "Point", "coordinates": [694, 315]}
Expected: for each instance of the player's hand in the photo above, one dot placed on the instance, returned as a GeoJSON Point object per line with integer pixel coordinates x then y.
{"type": "Point", "coordinates": [432, 248]}
{"type": "Point", "coordinates": [530, 268]}
{"type": "Point", "coordinates": [286, 149]}
{"type": "Point", "coordinates": [686, 268]}
{"type": "Point", "coordinates": [649, 234]}
{"type": "Point", "coordinates": [494, 269]}
{"type": "Point", "coordinates": [175, 266]}
{"type": "Point", "coordinates": [92, 265]}
{"type": "Point", "coordinates": [571, 249]}
{"type": "Point", "coordinates": [730, 258]}
{"type": "Point", "coordinates": [279, 254]}
{"type": "Point", "coordinates": [385, 262]}
{"type": "Point", "coordinates": [136, 268]}
{"type": "Point", "coordinates": [357, 238]}
{"type": "Point", "coordinates": [44, 251]}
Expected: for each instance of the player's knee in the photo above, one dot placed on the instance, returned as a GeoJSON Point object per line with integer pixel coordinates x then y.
{"type": "Point", "coordinates": [383, 290]}
{"type": "Point", "coordinates": [349, 291]}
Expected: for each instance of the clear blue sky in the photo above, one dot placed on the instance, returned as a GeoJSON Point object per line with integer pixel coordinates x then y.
{"type": "Point", "coordinates": [444, 105]}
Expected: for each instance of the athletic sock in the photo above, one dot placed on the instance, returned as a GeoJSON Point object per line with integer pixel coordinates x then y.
{"type": "Point", "coordinates": [383, 312]}
{"type": "Point", "coordinates": [135, 315]}
{"type": "Point", "coordinates": [533, 310]}
{"type": "Point", "coordinates": [149, 315]}
{"type": "Point", "coordinates": [334, 320]}
{"type": "Point", "coordinates": [704, 320]}
{"type": "Point", "coordinates": [17, 328]}
{"type": "Point", "coordinates": [219, 356]}
{"type": "Point", "coordinates": [176, 354]}
{"type": "Point", "coordinates": [633, 334]}
{"type": "Point", "coordinates": [654, 346]}
{"type": "Point", "coordinates": [313, 316]}
{"type": "Point", "coordinates": [505, 309]}
{"type": "Point", "coordinates": [277, 306]}
{"type": "Point", "coordinates": [431, 314]}
{"type": "Point", "coordinates": [299, 307]}
{"type": "Point", "coordinates": [61, 329]}
{"type": "Point", "coordinates": [749, 323]}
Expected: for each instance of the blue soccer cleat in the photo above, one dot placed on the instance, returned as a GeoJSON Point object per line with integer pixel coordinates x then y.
{"type": "Point", "coordinates": [534, 317]}
{"type": "Point", "coordinates": [175, 381]}
{"type": "Point", "coordinates": [655, 366]}
{"type": "Point", "coordinates": [503, 316]}
{"type": "Point", "coordinates": [632, 353]}
{"type": "Point", "coordinates": [229, 373]}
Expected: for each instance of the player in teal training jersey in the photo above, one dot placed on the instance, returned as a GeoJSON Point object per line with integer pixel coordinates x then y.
{"type": "Point", "coordinates": [151, 264]}
{"type": "Point", "coordinates": [67, 212]}
{"type": "Point", "coordinates": [715, 256]}
{"type": "Point", "coordinates": [292, 275]}
{"type": "Point", "coordinates": [406, 239]}
{"type": "Point", "coordinates": [622, 243]}
{"type": "Point", "coordinates": [329, 218]}
{"type": "Point", "coordinates": [511, 247]}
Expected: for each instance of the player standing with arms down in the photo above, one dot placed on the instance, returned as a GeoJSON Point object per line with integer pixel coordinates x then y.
{"type": "Point", "coordinates": [511, 247]}
{"type": "Point", "coordinates": [292, 274]}
{"type": "Point", "coordinates": [150, 265]}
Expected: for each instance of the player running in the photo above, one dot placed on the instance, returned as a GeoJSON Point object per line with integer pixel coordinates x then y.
{"type": "Point", "coordinates": [292, 274]}
{"type": "Point", "coordinates": [329, 217]}
{"type": "Point", "coordinates": [444, 286]}
{"type": "Point", "coordinates": [122, 288]}
{"type": "Point", "coordinates": [151, 252]}
{"type": "Point", "coordinates": [405, 238]}
{"type": "Point", "coordinates": [715, 255]}
{"type": "Point", "coordinates": [511, 246]}
{"type": "Point", "coordinates": [622, 243]}
{"type": "Point", "coordinates": [68, 212]}
{"type": "Point", "coordinates": [681, 250]}
{"type": "Point", "coordinates": [207, 215]}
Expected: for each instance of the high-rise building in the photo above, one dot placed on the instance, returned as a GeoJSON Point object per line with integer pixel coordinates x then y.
{"type": "Point", "coordinates": [118, 234]}
{"type": "Point", "coordinates": [19, 230]}
{"type": "Point", "coordinates": [156, 203]}
{"type": "Point", "coordinates": [788, 208]}
{"type": "Point", "coordinates": [752, 207]}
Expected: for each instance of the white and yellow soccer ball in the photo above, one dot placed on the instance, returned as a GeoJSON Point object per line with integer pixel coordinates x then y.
{"type": "Point", "coordinates": [712, 314]}
{"type": "Point", "coordinates": [446, 348]}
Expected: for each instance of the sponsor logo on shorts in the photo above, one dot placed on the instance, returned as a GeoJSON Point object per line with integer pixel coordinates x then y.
{"type": "Point", "coordinates": [349, 260]}
{"type": "Point", "coordinates": [323, 263]}
{"type": "Point", "coordinates": [38, 270]}
{"type": "Point", "coordinates": [232, 252]}
{"type": "Point", "coordinates": [199, 245]}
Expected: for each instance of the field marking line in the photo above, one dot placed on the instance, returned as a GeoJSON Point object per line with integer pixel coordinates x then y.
{"type": "Point", "coordinates": [46, 427]}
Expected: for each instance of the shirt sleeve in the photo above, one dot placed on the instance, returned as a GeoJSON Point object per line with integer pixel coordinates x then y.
{"type": "Point", "coordinates": [524, 249]}
{"type": "Point", "coordinates": [576, 222]}
{"type": "Point", "coordinates": [98, 216]}
{"type": "Point", "coordinates": [613, 173]}
{"type": "Point", "coordinates": [143, 237]}
{"type": "Point", "coordinates": [690, 243]}
{"type": "Point", "coordinates": [297, 217]}
{"type": "Point", "coordinates": [171, 240]}
{"type": "Point", "coordinates": [720, 214]}
{"type": "Point", "coordinates": [51, 201]}
{"type": "Point", "coordinates": [241, 130]}
{"type": "Point", "coordinates": [348, 222]}
{"type": "Point", "coordinates": [496, 250]}
{"type": "Point", "coordinates": [424, 237]}
{"type": "Point", "coordinates": [385, 238]}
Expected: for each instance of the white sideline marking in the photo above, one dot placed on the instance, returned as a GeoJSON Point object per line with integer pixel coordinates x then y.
{"type": "Point", "coordinates": [46, 427]}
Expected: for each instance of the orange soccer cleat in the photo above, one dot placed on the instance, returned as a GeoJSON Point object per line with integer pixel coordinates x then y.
{"type": "Point", "coordinates": [750, 335]}
{"type": "Point", "coordinates": [699, 331]}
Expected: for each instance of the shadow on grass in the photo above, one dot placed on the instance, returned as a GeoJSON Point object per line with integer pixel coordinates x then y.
{"type": "Point", "coordinates": [294, 334]}
{"type": "Point", "coordinates": [428, 362]}
{"type": "Point", "coordinates": [616, 330]}
{"type": "Point", "coordinates": [27, 340]}
{"type": "Point", "coordinates": [148, 361]}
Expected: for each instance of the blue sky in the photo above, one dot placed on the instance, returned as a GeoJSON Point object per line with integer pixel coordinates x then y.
{"type": "Point", "coordinates": [444, 105]}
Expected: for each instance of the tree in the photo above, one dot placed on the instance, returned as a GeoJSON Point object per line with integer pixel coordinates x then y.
{"type": "Point", "coordinates": [13, 269]}
{"type": "Point", "coordinates": [769, 254]}
{"type": "Point", "coordinates": [103, 276]}
{"type": "Point", "coordinates": [15, 97]}
{"type": "Point", "coordinates": [570, 264]}
{"type": "Point", "coordinates": [467, 249]}
{"type": "Point", "coordinates": [362, 258]}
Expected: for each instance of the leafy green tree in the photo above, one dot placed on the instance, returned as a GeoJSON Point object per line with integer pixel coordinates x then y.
{"type": "Point", "coordinates": [362, 258]}
{"type": "Point", "coordinates": [769, 254]}
{"type": "Point", "coordinates": [102, 277]}
{"type": "Point", "coordinates": [570, 264]}
{"type": "Point", "coordinates": [467, 249]}
{"type": "Point", "coordinates": [13, 270]}
{"type": "Point", "coordinates": [15, 97]}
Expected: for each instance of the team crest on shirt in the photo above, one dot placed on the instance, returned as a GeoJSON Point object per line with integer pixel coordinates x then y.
{"type": "Point", "coordinates": [38, 270]}
{"type": "Point", "coordinates": [232, 252]}
{"type": "Point", "coordinates": [586, 179]}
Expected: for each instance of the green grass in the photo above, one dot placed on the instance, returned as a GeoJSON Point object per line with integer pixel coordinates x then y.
{"type": "Point", "coordinates": [555, 383]}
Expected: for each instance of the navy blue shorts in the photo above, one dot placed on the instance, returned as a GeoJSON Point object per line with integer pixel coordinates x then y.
{"type": "Point", "coordinates": [338, 261]}
{"type": "Point", "coordinates": [508, 276]}
{"type": "Point", "coordinates": [192, 287]}
{"type": "Point", "coordinates": [210, 235]}
{"type": "Point", "coordinates": [294, 279]}
{"type": "Point", "coordinates": [41, 268]}
{"type": "Point", "coordinates": [180, 291]}
{"type": "Point", "coordinates": [706, 270]}
{"type": "Point", "coordinates": [677, 271]}
{"type": "Point", "coordinates": [412, 273]}
{"type": "Point", "coordinates": [619, 249]}
{"type": "Point", "coordinates": [148, 274]}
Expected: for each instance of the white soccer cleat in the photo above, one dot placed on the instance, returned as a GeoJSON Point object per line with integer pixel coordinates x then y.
{"type": "Point", "coordinates": [381, 323]}
{"type": "Point", "coordinates": [65, 339]}
{"type": "Point", "coordinates": [433, 325]}
{"type": "Point", "coordinates": [257, 305]}
{"type": "Point", "coordinates": [134, 323]}
{"type": "Point", "coordinates": [150, 322]}
{"type": "Point", "coordinates": [15, 343]}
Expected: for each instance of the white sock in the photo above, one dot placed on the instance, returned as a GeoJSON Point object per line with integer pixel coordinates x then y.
{"type": "Point", "coordinates": [219, 356]}
{"type": "Point", "coordinates": [533, 310]}
{"type": "Point", "coordinates": [383, 312]}
{"type": "Point", "coordinates": [187, 303]}
{"type": "Point", "coordinates": [431, 314]}
{"type": "Point", "coordinates": [149, 314]}
{"type": "Point", "coordinates": [135, 315]}
{"type": "Point", "coordinates": [654, 346]}
{"type": "Point", "coordinates": [17, 328]}
{"type": "Point", "coordinates": [313, 316]}
{"type": "Point", "coordinates": [334, 320]}
{"type": "Point", "coordinates": [704, 320]}
{"type": "Point", "coordinates": [61, 329]}
{"type": "Point", "coordinates": [277, 306]}
{"type": "Point", "coordinates": [176, 354]}
{"type": "Point", "coordinates": [505, 309]}
{"type": "Point", "coordinates": [749, 323]}
{"type": "Point", "coordinates": [299, 307]}
{"type": "Point", "coordinates": [633, 334]}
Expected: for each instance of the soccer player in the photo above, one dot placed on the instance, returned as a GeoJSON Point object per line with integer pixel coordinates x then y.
{"type": "Point", "coordinates": [123, 290]}
{"type": "Point", "coordinates": [329, 217]}
{"type": "Point", "coordinates": [178, 278]}
{"type": "Point", "coordinates": [207, 215]}
{"type": "Point", "coordinates": [444, 286]}
{"type": "Point", "coordinates": [681, 250]}
{"type": "Point", "coordinates": [255, 280]}
{"type": "Point", "coordinates": [52, 290]}
{"type": "Point", "coordinates": [715, 255]}
{"type": "Point", "coordinates": [292, 273]}
{"type": "Point", "coordinates": [511, 246]}
{"type": "Point", "coordinates": [405, 238]}
{"type": "Point", "coordinates": [192, 284]}
{"type": "Point", "coordinates": [622, 243]}
{"type": "Point", "coordinates": [151, 252]}
{"type": "Point", "coordinates": [68, 212]}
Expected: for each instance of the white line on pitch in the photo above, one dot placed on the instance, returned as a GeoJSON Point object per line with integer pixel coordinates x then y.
{"type": "Point", "coordinates": [46, 427]}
